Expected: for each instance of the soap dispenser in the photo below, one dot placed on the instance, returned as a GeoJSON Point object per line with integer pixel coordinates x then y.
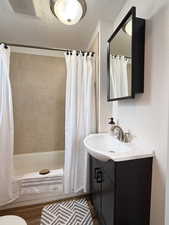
{"type": "Point", "coordinates": [112, 123]}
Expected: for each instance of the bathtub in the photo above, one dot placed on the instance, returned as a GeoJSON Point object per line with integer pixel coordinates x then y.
{"type": "Point", "coordinates": [49, 188]}
{"type": "Point", "coordinates": [34, 162]}
{"type": "Point", "coordinates": [27, 167]}
{"type": "Point", "coordinates": [36, 189]}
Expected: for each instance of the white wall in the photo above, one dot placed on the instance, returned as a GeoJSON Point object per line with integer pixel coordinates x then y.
{"type": "Point", "coordinates": [105, 107]}
{"type": "Point", "coordinates": [167, 197]}
{"type": "Point", "coordinates": [147, 115]}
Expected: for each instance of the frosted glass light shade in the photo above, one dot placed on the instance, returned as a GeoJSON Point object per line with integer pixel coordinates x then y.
{"type": "Point", "coordinates": [69, 12]}
{"type": "Point", "coordinates": [128, 28]}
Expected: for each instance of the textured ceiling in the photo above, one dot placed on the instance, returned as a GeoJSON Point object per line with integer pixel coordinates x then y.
{"type": "Point", "coordinates": [34, 23]}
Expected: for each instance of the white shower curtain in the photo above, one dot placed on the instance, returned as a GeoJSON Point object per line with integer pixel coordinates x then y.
{"type": "Point", "coordinates": [119, 77]}
{"type": "Point", "coordinates": [8, 187]}
{"type": "Point", "coordinates": [80, 119]}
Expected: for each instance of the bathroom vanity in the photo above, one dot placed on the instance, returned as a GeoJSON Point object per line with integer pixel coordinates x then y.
{"type": "Point", "coordinates": [121, 191]}
{"type": "Point", "coordinates": [120, 180]}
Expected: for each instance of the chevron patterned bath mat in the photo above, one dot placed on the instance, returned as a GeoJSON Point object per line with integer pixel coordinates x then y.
{"type": "Point", "coordinates": [70, 212]}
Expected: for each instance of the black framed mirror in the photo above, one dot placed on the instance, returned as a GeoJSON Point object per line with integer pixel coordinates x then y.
{"type": "Point", "coordinates": [126, 58]}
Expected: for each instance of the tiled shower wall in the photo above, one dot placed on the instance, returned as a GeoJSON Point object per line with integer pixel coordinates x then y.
{"type": "Point", "coordinates": [38, 88]}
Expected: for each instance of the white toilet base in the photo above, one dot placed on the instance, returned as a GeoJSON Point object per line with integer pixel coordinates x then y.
{"type": "Point", "coordinates": [12, 220]}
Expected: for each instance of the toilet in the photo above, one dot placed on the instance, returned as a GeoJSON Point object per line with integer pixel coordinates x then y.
{"type": "Point", "coordinates": [12, 220]}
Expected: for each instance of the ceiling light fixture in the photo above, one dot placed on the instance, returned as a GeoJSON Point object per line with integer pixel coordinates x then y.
{"type": "Point", "coordinates": [128, 28]}
{"type": "Point", "coordinates": [69, 12]}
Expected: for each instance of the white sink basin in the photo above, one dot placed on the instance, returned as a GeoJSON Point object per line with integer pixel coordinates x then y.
{"type": "Point", "coordinates": [104, 147]}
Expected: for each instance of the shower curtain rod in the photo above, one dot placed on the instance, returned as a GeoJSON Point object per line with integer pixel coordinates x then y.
{"type": "Point", "coordinates": [127, 57]}
{"type": "Point", "coordinates": [43, 48]}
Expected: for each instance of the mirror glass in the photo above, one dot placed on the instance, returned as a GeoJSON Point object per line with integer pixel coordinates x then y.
{"type": "Point", "coordinates": [120, 62]}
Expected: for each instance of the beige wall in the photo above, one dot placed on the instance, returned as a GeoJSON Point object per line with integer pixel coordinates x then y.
{"type": "Point", "coordinates": [38, 87]}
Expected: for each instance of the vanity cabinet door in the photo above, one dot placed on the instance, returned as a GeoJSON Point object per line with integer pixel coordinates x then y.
{"type": "Point", "coordinates": [95, 184]}
{"type": "Point", "coordinates": [102, 189]}
{"type": "Point", "coordinates": [107, 200]}
{"type": "Point", "coordinates": [108, 169]}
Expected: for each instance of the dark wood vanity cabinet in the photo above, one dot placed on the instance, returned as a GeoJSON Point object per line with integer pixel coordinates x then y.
{"type": "Point", "coordinates": [121, 191]}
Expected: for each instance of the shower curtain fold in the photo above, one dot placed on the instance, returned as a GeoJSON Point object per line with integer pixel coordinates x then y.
{"type": "Point", "coordinates": [80, 119]}
{"type": "Point", "coordinates": [8, 186]}
{"type": "Point", "coordinates": [119, 76]}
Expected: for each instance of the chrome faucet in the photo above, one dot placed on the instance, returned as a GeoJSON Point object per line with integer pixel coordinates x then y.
{"type": "Point", "coordinates": [119, 133]}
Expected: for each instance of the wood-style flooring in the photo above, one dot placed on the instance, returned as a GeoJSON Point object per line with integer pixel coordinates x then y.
{"type": "Point", "coordinates": [32, 214]}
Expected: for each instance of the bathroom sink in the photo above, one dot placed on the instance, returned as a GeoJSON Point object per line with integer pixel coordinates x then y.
{"type": "Point", "coordinates": [104, 147]}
